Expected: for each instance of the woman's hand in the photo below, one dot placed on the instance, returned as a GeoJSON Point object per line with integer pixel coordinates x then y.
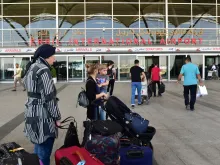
{"type": "Point", "coordinates": [58, 123]}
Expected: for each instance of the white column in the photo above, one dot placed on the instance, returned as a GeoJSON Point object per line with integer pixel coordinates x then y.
{"type": "Point", "coordinates": [166, 19]}
{"type": "Point", "coordinates": [67, 67]}
{"type": "Point", "coordinates": [57, 23]}
{"type": "Point", "coordinates": [168, 69]}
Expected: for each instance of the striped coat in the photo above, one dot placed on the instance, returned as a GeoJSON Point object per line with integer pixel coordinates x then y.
{"type": "Point", "coordinates": [41, 108]}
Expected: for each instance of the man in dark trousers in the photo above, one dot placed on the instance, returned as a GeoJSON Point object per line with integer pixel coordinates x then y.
{"type": "Point", "coordinates": [136, 73]}
{"type": "Point", "coordinates": [191, 73]}
{"type": "Point", "coordinates": [155, 77]}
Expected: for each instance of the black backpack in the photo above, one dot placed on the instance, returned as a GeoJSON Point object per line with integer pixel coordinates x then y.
{"type": "Point", "coordinates": [82, 100]}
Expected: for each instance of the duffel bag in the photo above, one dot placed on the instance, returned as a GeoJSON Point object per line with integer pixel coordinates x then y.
{"type": "Point", "coordinates": [105, 148]}
{"type": "Point", "coordinates": [100, 127]}
{"type": "Point", "coordinates": [136, 123]}
{"type": "Point", "coordinates": [162, 87]}
{"type": "Point", "coordinates": [11, 152]}
{"type": "Point", "coordinates": [75, 155]}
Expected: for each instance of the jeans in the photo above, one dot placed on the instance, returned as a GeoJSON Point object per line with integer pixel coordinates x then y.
{"type": "Point", "coordinates": [111, 86]}
{"type": "Point", "coordinates": [44, 150]}
{"type": "Point", "coordinates": [102, 113]}
{"type": "Point", "coordinates": [134, 86]}
{"type": "Point", "coordinates": [192, 89]}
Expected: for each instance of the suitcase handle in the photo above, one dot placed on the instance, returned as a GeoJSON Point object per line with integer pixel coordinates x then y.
{"type": "Point", "coordinates": [135, 152]}
{"type": "Point", "coordinates": [77, 153]}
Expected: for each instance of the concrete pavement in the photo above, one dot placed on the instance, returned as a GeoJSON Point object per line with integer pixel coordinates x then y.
{"type": "Point", "coordinates": [182, 138]}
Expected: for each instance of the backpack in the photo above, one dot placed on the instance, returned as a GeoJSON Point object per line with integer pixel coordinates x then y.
{"type": "Point", "coordinates": [82, 100]}
{"type": "Point", "coordinates": [110, 73]}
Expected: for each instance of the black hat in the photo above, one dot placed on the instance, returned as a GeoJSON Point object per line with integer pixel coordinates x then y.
{"type": "Point", "coordinates": [44, 51]}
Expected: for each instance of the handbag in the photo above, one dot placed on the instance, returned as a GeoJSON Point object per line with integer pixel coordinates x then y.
{"type": "Point", "coordinates": [203, 90]}
{"type": "Point", "coordinates": [162, 87]}
{"type": "Point", "coordinates": [137, 123]}
{"type": "Point", "coordinates": [71, 138]}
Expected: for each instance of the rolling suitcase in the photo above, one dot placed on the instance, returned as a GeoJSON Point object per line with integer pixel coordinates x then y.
{"type": "Point", "coordinates": [75, 156]}
{"type": "Point", "coordinates": [136, 155]}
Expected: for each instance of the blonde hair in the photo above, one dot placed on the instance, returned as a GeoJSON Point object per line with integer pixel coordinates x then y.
{"type": "Point", "coordinates": [102, 66]}
{"type": "Point", "coordinates": [91, 68]}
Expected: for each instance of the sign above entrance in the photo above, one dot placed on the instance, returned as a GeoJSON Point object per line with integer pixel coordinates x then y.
{"type": "Point", "coordinates": [103, 50]}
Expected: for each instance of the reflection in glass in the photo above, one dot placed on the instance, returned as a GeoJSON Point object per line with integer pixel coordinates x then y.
{"type": "Point", "coordinates": [96, 9]}
{"type": "Point", "coordinates": [6, 69]}
{"type": "Point", "coordinates": [106, 59]}
{"type": "Point", "coordinates": [61, 68]}
{"type": "Point", "coordinates": [23, 61]}
{"type": "Point", "coordinates": [46, 9]}
{"type": "Point", "coordinates": [179, 9]}
{"type": "Point", "coordinates": [152, 22]}
{"type": "Point", "coordinates": [17, 37]}
{"type": "Point", "coordinates": [126, 62]}
{"type": "Point", "coordinates": [154, 9]}
{"type": "Point", "coordinates": [15, 9]}
{"type": "Point", "coordinates": [126, 9]}
{"type": "Point", "coordinates": [71, 9]}
{"type": "Point", "coordinates": [75, 67]}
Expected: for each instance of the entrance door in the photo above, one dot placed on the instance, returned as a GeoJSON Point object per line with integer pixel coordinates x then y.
{"type": "Point", "coordinates": [176, 63]}
{"type": "Point", "coordinates": [75, 68]}
{"type": "Point", "coordinates": [91, 60]}
{"type": "Point", "coordinates": [61, 67]}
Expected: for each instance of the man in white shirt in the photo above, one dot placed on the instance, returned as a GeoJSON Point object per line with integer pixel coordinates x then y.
{"type": "Point", "coordinates": [214, 67]}
{"type": "Point", "coordinates": [17, 77]}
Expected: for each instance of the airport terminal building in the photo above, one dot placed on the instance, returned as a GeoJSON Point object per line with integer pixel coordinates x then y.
{"type": "Point", "coordinates": [96, 31]}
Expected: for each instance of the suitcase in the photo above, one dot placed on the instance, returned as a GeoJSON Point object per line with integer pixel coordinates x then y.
{"type": "Point", "coordinates": [11, 152]}
{"type": "Point", "coordinates": [75, 156]}
{"type": "Point", "coordinates": [136, 155]}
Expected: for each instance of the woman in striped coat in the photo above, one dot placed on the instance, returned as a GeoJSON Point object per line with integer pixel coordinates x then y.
{"type": "Point", "coordinates": [41, 109]}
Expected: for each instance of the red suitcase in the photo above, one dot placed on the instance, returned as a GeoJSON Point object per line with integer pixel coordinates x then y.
{"type": "Point", "coordinates": [76, 156]}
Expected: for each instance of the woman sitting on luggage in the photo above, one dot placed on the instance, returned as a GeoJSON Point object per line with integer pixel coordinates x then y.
{"type": "Point", "coordinates": [93, 92]}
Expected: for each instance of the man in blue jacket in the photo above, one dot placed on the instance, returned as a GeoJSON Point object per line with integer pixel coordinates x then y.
{"type": "Point", "coordinates": [191, 73]}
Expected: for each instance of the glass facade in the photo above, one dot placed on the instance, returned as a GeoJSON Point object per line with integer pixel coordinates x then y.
{"type": "Point", "coordinates": [109, 22]}
{"type": "Point", "coordinates": [101, 24]}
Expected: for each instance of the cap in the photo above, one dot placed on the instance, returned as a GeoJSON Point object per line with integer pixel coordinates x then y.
{"type": "Point", "coordinates": [44, 51]}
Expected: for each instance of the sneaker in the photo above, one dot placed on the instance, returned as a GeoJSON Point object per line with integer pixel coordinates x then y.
{"type": "Point", "coordinates": [192, 109]}
{"type": "Point", "coordinates": [140, 103]}
{"type": "Point", "coordinates": [24, 89]}
{"type": "Point", "coordinates": [187, 107]}
{"type": "Point", "coordinates": [13, 90]}
{"type": "Point", "coordinates": [132, 106]}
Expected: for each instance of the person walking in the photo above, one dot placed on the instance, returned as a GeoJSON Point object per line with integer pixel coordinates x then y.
{"type": "Point", "coordinates": [42, 115]}
{"type": "Point", "coordinates": [136, 74]}
{"type": "Point", "coordinates": [156, 78]}
{"type": "Point", "coordinates": [191, 73]}
{"type": "Point", "coordinates": [111, 72]}
{"type": "Point", "coordinates": [17, 77]}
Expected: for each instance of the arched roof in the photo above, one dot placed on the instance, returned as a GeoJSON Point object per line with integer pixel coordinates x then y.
{"type": "Point", "coordinates": [91, 9]}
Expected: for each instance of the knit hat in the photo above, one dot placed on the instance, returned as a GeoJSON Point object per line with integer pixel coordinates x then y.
{"type": "Point", "coordinates": [44, 51]}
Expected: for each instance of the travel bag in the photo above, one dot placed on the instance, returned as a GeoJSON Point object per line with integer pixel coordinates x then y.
{"type": "Point", "coordinates": [11, 152]}
{"type": "Point", "coordinates": [136, 155]}
{"type": "Point", "coordinates": [75, 156]}
{"type": "Point", "coordinates": [105, 148]}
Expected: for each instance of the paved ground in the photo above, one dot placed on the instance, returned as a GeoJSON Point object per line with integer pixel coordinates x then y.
{"type": "Point", "coordinates": [182, 138]}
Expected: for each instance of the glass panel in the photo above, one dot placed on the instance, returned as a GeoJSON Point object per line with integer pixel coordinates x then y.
{"type": "Point", "coordinates": [99, 22]}
{"type": "Point", "coordinates": [12, 1]}
{"type": "Point", "coordinates": [142, 62]}
{"type": "Point", "coordinates": [125, 9]}
{"type": "Point", "coordinates": [179, 22]}
{"type": "Point", "coordinates": [42, 1]}
{"type": "Point", "coordinates": [43, 9]}
{"type": "Point", "coordinates": [204, 22]}
{"type": "Point", "coordinates": [155, 1]}
{"type": "Point", "coordinates": [125, 21]}
{"type": "Point", "coordinates": [207, 36]}
{"type": "Point", "coordinates": [16, 37]}
{"type": "Point", "coordinates": [96, 9]}
{"type": "Point", "coordinates": [201, 9]}
{"type": "Point", "coordinates": [179, 9]}
{"type": "Point", "coordinates": [154, 9]}
{"type": "Point", "coordinates": [43, 22]}
{"type": "Point", "coordinates": [23, 61]}
{"type": "Point", "coordinates": [75, 67]}
{"type": "Point", "coordinates": [163, 63]}
{"type": "Point", "coordinates": [204, 1]}
{"type": "Point", "coordinates": [61, 68]}
{"type": "Point", "coordinates": [99, 36]}
{"type": "Point", "coordinates": [15, 22]}
{"type": "Point", "coordinates": [125, 36]}
{"type": "Point", "coordinates": [40, 36]}
{"type": "Point", "coordinates": [136, 1]}
{"type": "Point", "coordinates": [176, 63]}
{"type": "Point", "coordinates": [72, 37]}
{"type": "Point", "coordinates": [152, 22]}
{"type": "Point", "coordinates": [126, 62]}
{"type": "Point", "coordinates": [6, 69]}
{"type": "Point", "coordinates": [60, 1]}
{"type": "Point", "coordinates": [71, 9]}
{"type": "Point", "coordinates": [71, 22]}
{"type": "Point", "coordinates": [15, 9]}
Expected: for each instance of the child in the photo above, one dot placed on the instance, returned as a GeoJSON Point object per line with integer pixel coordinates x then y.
{"type": "Point", "coordinates": [103, 81]}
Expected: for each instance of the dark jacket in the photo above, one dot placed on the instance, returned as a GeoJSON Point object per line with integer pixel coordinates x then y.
{"type": "Point", "coordinates": [92, 90]}
{"type": "Point", "coordinates": [41, 108]}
